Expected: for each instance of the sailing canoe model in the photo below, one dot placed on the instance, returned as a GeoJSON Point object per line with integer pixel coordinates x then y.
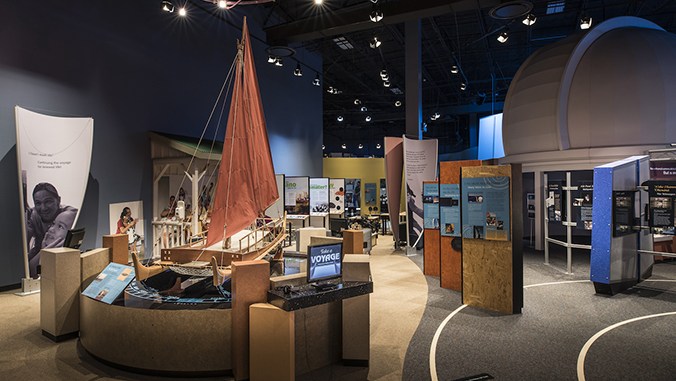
{"type": "Point", "coordinates": [246, 185]}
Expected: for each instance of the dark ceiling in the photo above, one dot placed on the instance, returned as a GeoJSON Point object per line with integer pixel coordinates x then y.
{"type": "Point", "coordinates": [452, 32]}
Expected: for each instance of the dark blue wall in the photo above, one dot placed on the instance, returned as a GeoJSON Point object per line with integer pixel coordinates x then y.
{"type": "Point", "coordinates": [134, 69]}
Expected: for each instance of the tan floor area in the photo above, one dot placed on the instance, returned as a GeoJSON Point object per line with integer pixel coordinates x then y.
{"type": "Point", "coordinates": [397, 305]}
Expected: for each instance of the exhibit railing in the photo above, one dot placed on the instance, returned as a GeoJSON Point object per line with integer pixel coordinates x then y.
{"type": "Point", "coordinates": [168, 234]}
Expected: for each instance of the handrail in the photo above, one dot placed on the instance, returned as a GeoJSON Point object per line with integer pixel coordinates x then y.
{"type": "Point", "coordinates": [168, 234]}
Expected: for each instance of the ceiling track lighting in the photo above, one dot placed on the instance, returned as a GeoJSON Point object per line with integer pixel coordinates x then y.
{"type": "Point", "coordinates": [368, 118]}
{"type": "Point", "coordinates": [503, 37]}
{"type": "Point", "coordinates": [378, 146]}
{"type": "Point", "coordinates": [340, 118]}
{"type": "Point", "coordinates": [167, 6]}
{"type": "Point", "coordinates": [386, 83]}
{"type": "Point", "coordinates": [316, 81]}
{"type": "Point", "coordinates": [360, 146]}
{"type": "Point", "coordinates": [376, 15]}
{"type": "Point", "coordinates": [397, 104]}
{"type": "Point", "coordinates": [363, 109]}
{"type": "Point", "coordinates": [463, 86]}
{"type": "Point", "coordinates": [223, 4]}
{"type": "Point", "coordinates": [383, 75]}
{"type": "Point", "coordinates": [278, 62]}
{"type": "Point", "coordinates": [375, 42]}
{"type": "Point", "coordinates": [585, 22]}
{"type": "Point", "coordinates": [319, 2]}
{"type": "Point", "coordinates": [182, 12]}
{"type": "Point", "coordinates": [343, 146]}
{"type": "Point", "coordinates": [374, 1]}
{"type": "Point", "coordinates": [529, 20]}
{"type": "Point", "coordinates": [455, 69]}
{"type": "Point", "coordinates": [357, 101]}
{"type": "Point", "coordinates": [323, 147]}
{"type": "Point", "coordinates": [272, 59]}
{"type": "Point", "coordinates": [298, 72]}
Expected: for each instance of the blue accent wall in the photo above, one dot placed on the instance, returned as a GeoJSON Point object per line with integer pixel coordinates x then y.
{"type": "Point", "coordinates": [134, 69]}
{"type": "Point", "coordinates": [602, 225]}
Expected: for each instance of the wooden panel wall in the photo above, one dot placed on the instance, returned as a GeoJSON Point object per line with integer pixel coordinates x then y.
{"type": "Point", "coordinates": [492, 271]}
{"type": "Point", "coordinates": [450, 258]}
{"type": "Point", "coordinates": [431, 265]}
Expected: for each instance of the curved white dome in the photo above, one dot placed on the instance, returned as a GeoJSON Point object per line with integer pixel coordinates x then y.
{"type": "Point", "coordinates": [613, 86]}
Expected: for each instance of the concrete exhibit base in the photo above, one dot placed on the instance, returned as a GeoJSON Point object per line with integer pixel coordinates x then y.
{"type": "Point", "coordinates": [190, 342]}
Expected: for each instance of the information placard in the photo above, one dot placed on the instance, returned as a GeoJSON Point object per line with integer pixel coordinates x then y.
{"type": "Point", "coordinates": [582, 204]}
{"type": "Point", "coordinates": [623, 213]}
{"type": "Point", "coordinates": [661, 205]}
{"type": "Point", "coordinates": [554, 202]}
{"type": "Point", "coordinates": [485, 208]}
{"type": "Point", "coordinates": [449, 209]}
{"type": "Point", "coordinates": [296, 195]}
{"type": "Point", "coordinates": [431, 205]}
{"type": "Point", "coordinates": [352, 197]}
{"type": "Point", "coordinates": [319, 196]}
{"type": "Point", "coordinates": [110, 283]}
{"type": "Point", "coordinates": [337, 196]}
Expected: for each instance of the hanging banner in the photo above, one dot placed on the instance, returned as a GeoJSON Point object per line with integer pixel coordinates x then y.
{"type": "Point", "coordinates": [336, 196]}
{"type": "Point", "coordinates": [420, 164]}
{"type": "Point", "coordinates": [53, 156]}
{"type": "Point", "coordinates": [319, 196]}
{"type": "Point", "coordinates": [296, 195]}
{"type": "Point", "coordinates": [394, 162]}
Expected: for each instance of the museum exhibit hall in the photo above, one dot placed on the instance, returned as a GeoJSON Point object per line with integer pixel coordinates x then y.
{"type": "Point", "coordinates": [338, 190]}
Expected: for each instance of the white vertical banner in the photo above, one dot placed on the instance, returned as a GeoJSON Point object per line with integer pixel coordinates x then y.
{"type": "Point", "coordinates": [336, 196]}
{"type": "Point", "coordinates": [53, 155]}
{"type": "Point", "coordinates": [420, 164]}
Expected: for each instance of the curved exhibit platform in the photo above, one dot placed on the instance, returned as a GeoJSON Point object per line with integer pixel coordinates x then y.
{"type": "Point", "coordinates": [157, 341]}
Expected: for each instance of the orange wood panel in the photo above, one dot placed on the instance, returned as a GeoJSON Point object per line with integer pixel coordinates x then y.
{"type": "Point", "coordinates": [431, 253]}
{"type": "Point", "coordinates": [118, 244]}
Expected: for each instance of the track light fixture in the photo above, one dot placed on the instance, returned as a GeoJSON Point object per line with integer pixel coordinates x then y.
{"type": "Point", "coordinates": [360, 146]}
{"type": "Point", "coordinates": [278, 62]}
{"type": "Point", "coordinates": [182, 12]}
{"type": "Point", "coordinates": [585, 22]}
{"type": "Point", "coordinates": [298, 72]}
{"type": "Point", "coordinates": [316, 81]}
{"type": "Point", "coordinates": [386, 83]}
{"type": "Point", "coordinates": [435, 116]}
{"type": "Point", "coordinates": [455, 69]}
{"type": "Point", "coordinates": [223, 4]}
{"type": "Point", "coordinates": [333, 90]}
{"type": "Point", "coordinates": [323, 147]}
{"type": "Point", "coordinates": [343, 146]}
{"type": "Point", "coordinates": [357, 101]}
{"type": "Point", "coordinates": [529, 20]}
{"type": "Point", "coordinates": [397, 104]}
{"type": "Point", "coordinates": [363, 109]}
{"type": "Point", "coordinates": [319, 2]}
{"type": "Point", "coordinates": [272, 59]}
{"type": "Point", "coordinates": [374, 1]}
{"type": "Point", "coordinates": [378, 146]}
{"type": "Point", "coordinates": [368, 118]}
{"type": "Point", "coordinates": [167, 6]}
{"type": "Point", "coordinates": [375, 42]}
{"type": "Point", "coordinates": [339, 118]}
{"type": "Point", "coordinates": [503, 37]}
{"type": "Point", "coordinates": [376, 15]}
{"type": "Point", "coordinates": [384, 75]}
{"type": "Point", "coordinates": [463, 86]}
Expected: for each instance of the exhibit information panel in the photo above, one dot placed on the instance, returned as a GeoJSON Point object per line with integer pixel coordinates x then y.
{"type": "Point", "coordinates": [370, 196]}
{"type": "Point", "coordinates": [555, 200]}
{"type": "Point", "coordinates": [336, 196]}
{"type": "Point", "coordinates": [623, 213]}
{"type": "Point", "coordinates": [319, 196]}
{"type": "Point", "coordinates": [431, 205]}
{"type": "Point", "coordinates": [661, 207]}
{"type": "Point", "coordinates": [530, 205]}
{"type": "Point", "coordinates": [485, 208]}
{"type": "Point", "coordinates": [449, 209]}
{"type": "Point", "coordinates": [296, 195]}
{"type": "Point", "coordinates": [383, 196]}
{"type": "Point", "coordinates": [352, 197]}
{"type": "Point", "coordinates": [110, 283]}
{"type": "Point", "coordinates": [582, 204]}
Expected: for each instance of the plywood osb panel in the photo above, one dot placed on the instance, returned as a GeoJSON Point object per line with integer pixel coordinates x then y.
{"type": "Point", "coordinates": [431, 253]}
{"type": "Point", "coordinates": [450, 258]}
{"type": "Point", "coordinates": [492, 270]}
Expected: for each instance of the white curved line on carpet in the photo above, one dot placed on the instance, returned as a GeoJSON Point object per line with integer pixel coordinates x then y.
{"type": "Point", "coordinates": [435, 340]}
{"type": "Point", "coordinates": [588, 344]}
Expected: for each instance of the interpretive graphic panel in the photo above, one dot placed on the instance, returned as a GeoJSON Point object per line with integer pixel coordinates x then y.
{"type": "Point", "coordinates": [319, 196]}
{"type": "Point", "coordinates": [352, 197]}
{"type": "Point", "coordinates": [383, 196]}
{"type": "Point", "coordinates": [554, 201]}
{"type": "Point", "coordinates": [370, 195]}
{"type": "Point", "coordinates": [296, 195]}
{"type": "Point", "coordinates": [420, 164]}
{"type": "Point", "coordinates": [53, 156]}
{"type": "Point", "coordinates": [661, 207]}
{"type": "Point", "coordinates": [337, 196]}
{"type": "Point", "coordinates": [485, 208]}
{"type": "Point", "coordinates": [663, 170]}
{"type": "Point", "coordinates": [623, 213]}
{"type": "Point", "coordinates": [449, 209]}
{"type": "Point", "coordinates": [431, 205]}
{"type": "Point", "coordinates": [110, 283]}
{"type": "Point", "coordinates": [530, 205]}
{"type": "Point", "coordinates": [582, 204]}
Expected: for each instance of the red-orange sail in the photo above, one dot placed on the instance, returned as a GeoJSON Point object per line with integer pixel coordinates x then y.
{"type": "Point", "coordinates": [246, 177]}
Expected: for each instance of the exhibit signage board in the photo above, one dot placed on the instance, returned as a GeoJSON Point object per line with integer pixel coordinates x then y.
{"type": "Point", "coordinates": [530, 205]}
{"type": "Point", "coordinates": [53, 157]}
{"type": "Point", "coordinates": [420, 164]}
{"type": "Point", "coordinates": [110, 283]}
{"type": "Point", "coordinates": [383, 196]}
{"type": "Point", "coordinates": [661, 207]}
{"type": "Point", "coordinates": [623, 213]}
{"type": "Point", "coordinates": [337, 196]}
{"type": "Point", "coordinates": [663, 169]}
{"type": "Point", "coordinates": [296, 195]}
{"type": "Point", "coordinates": [370, 196]}
{"type": "Point", "coordinates": [582, 204]}
{"type": "Point", "coordinates": [352, 197]}
{"type": "Point", "coordinates": [319, 196]}
{"type": "Point", "coordinates": [555, 200]}
{"type": "Point", "coordinates": [485, 208]}
{"type": "Point", "coordinates": [449, 209]}
{"type": "Point", "coordinates": [431, 205]}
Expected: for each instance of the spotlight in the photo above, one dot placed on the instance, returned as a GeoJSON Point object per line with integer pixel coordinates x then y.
{"type": "Point", "coordinates": [368, 118]}
{"type": "Point", "coordinates": [182, 12]}
{"type": "Point", "coordinates": [323, 147]}
{"type": "Point", "coordinates": [585, 22]}
{"type": "Point", "coordinates": [319, 2]}
{"type": "Point", "coordinates": [375, 42]}
{"type": "Point", "coordinates": [316, 81]}
{"type": "Point", "coordinates": [357, 101]}
{"type": "Point", "coordinates": [374, 1]}
{"type": "Point", "coordinates": [503, 37]}
{"type": "Point", "coordinates": [435, 116]}
{"type": "Point", "coordinates": [384, 75]}
{"type": "Point", "coordinates": [463, 86]}
{"type": "Point", "coordinates": [386, 83]}
{"type": "Point", "coordinates": [343, 146]}
{"type": "Point", "coordinates": [272, 59]}
{"type": "Point", "coordinates": [378, 146]}
{"type": "Point", "coordinates": [363, 109]}
{"type": "Point", "coordinates": [360, 146]}
{"type": "Point", "coordinates": [222, 4]}
{"type": "Point", "coordinates": [278, 62]}
{"type": "Point", "coordinates": [454, 69]}
{"type": "Point", "coordinates": [376, 15]}
{"type": "Point", "coordinates": [397, 103]}
{"type": "Point", "coordinates": [330, 90]}
{"type": "Point", "coordinates": [529, 20]}
{"type": "Point", "coordinates": [298, 72]}
{"type": "Point", "coordinates": [167, 6]}
{"type": "Point", "coordinates": [339, 118]}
